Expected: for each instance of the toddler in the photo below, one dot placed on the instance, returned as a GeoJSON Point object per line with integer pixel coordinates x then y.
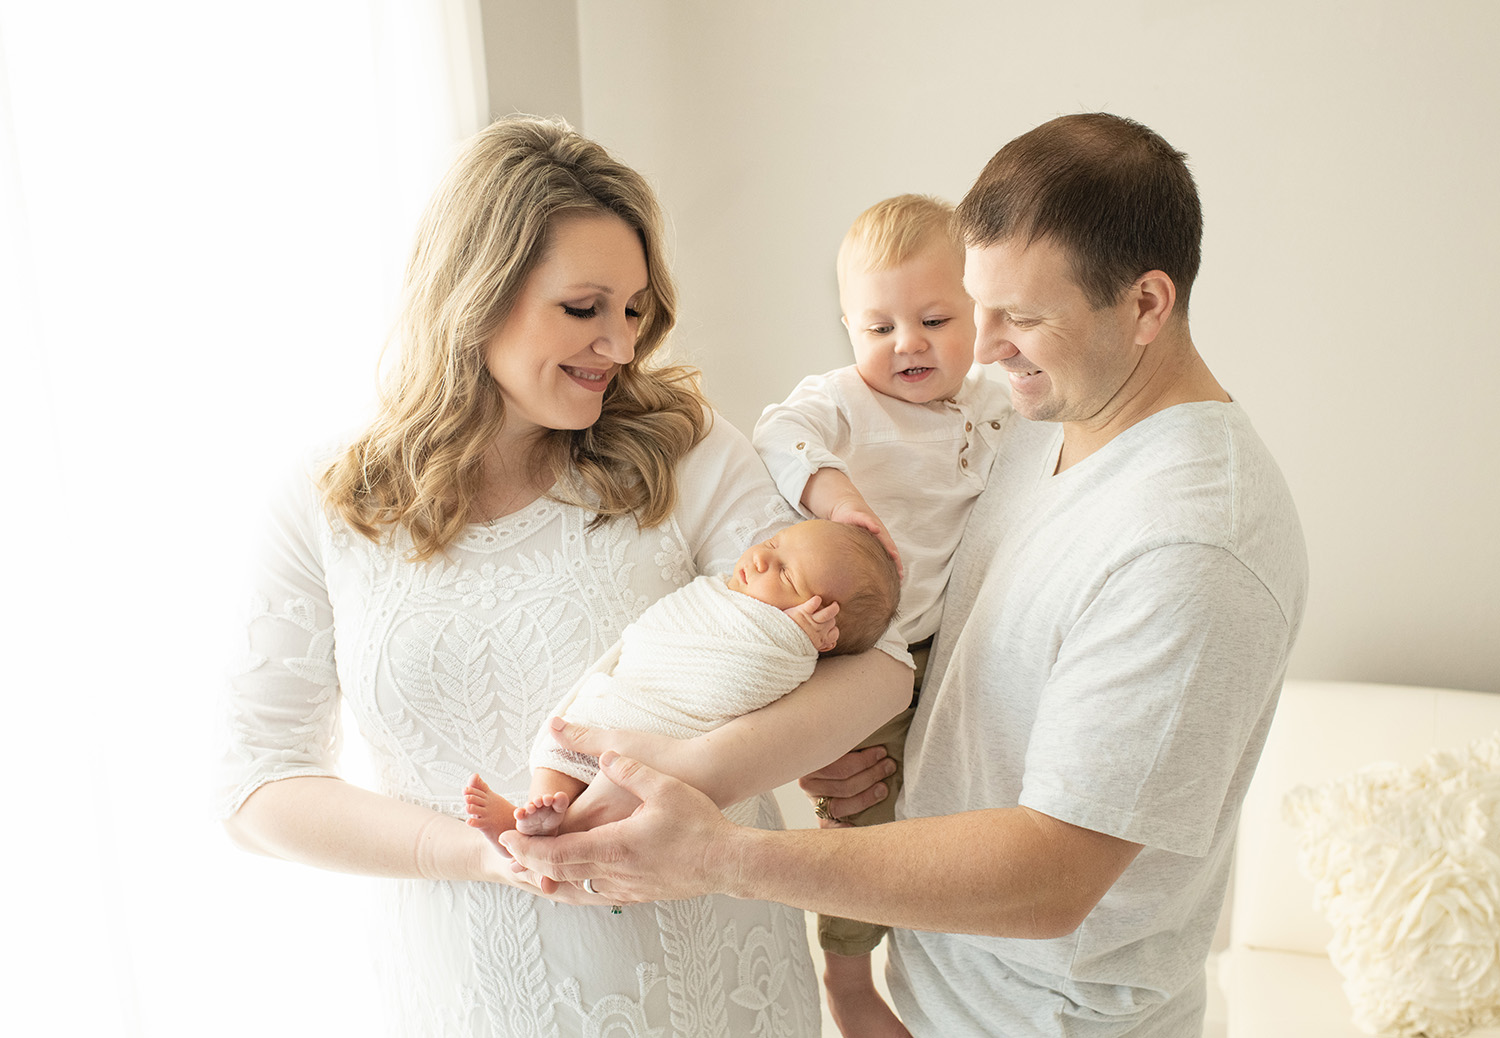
{"type": "Point", "coordinates": [710, 651]}
{"type": "Point", "coordinates": [899, 443]}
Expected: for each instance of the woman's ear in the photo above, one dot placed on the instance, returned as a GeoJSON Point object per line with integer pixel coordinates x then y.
{"type": "Point", "coordinates": [1154, 296]}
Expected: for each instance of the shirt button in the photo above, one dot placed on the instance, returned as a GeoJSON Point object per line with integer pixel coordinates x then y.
{"type": "Point", "coordinates": [994, 425]}
{"type": "Point", "coordinates": [968, 427]}
{"type": "Point", "coordinates": [801, 445]}
{"type": "Point", "coordinates": [964, 462]}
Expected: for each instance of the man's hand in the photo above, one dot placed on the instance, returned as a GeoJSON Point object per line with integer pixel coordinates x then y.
{"type": "Point", "coordinates": [817, 622]}
{"type": "Point", "coordinates": [852, 783]}
{"type": "Point", "coordinates": [675, 845]}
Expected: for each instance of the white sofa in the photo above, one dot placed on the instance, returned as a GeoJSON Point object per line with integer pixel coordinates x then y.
{"type": "Point", "coordinates": [1276, 977]}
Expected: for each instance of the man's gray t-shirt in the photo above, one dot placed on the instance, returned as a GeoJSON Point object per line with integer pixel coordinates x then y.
{"type": "Point", "coordinates": [1113, 646]}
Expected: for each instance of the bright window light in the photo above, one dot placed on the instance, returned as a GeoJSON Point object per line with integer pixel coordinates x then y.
{"type": "Point", "coordinates": [204, 209]}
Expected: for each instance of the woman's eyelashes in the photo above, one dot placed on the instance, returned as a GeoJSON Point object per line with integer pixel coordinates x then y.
{"type": "Point", "coordinates": [593, 311]}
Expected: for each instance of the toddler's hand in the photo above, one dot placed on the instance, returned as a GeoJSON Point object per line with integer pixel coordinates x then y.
{"type": "Point", "coordinates": [853, 515]}
{"type": "Point", "coordinates": [831, 494]}
{"type": "Point", "coordinates": [817, 620]}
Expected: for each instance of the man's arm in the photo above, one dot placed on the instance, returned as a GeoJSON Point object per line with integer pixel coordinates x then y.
{"type": "Point", "coordinates": [1006, 872]}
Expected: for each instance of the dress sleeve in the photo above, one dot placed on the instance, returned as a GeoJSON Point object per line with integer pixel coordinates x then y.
{"type": "Point", "coordinates": [281, 715]}
{"type": "Point", "coordinates": [801, 435]}
{"type": "Point", "coordinates": [726, 501]}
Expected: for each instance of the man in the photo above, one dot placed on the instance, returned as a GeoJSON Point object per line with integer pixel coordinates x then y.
{"type": "Point", "coordinates": [1124, 601]}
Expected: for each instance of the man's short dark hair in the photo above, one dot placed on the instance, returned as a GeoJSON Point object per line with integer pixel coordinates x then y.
{"type": "Point", "coordinates": [1117, 197]}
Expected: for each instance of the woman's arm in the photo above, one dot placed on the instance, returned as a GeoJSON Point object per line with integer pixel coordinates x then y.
{"type": "Point", "coordinates": [330, 824]}
{"type": "Point", "coordinates": [279, 791]}
{"type": "Point", "coordinates": [846, 699]}
{"type": "Point", "coordinates": [727, 502]}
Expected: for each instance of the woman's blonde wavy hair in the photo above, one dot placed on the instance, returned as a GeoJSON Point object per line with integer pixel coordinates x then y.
{"type": "Point", "coordinates": [419, 466]}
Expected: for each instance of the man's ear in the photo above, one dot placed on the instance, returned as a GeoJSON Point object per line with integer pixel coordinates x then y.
{"type": "Point", "coordinates": [1154, 297]}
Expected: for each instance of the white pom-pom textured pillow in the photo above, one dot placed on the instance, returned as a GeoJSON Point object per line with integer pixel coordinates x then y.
{"type": "Point", "coordinates": [1405, 863]}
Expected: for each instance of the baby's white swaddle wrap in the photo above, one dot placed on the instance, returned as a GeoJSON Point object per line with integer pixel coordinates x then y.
{"type": "Point", "coordinates": [695, 659]}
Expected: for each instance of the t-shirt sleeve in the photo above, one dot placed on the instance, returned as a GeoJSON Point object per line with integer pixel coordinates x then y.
{"type": "Point", "coordinates": [1154, 697]}
{"type": "Point", "coordinates": [281, 710]}
{"type": "Point", "coordinates": [802, 434]}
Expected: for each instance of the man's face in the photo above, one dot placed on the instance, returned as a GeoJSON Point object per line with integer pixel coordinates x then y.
{"type": "Point", "coordinates": [1066, 361]}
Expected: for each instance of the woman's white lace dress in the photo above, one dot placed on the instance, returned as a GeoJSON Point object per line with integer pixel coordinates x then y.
{"type": "Point", "coordinates": [450, 666]}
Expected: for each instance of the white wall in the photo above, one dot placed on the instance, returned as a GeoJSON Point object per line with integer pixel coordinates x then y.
{"type": "Point", "coordinates": [531, 58]}
{"type": "Point", "coordinates": [1346, 153]}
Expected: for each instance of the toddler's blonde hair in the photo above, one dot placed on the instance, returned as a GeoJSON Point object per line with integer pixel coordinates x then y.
{"type": "Point", "coordinates": [894, 230]}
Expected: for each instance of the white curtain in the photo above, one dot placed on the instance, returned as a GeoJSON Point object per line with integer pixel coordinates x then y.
{"type": "Point", "coordinates": [204, 209]}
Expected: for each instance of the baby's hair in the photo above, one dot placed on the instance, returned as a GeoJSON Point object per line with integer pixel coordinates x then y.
{"type": "Point", "coordinates": [869, 607]}
{"type": "Point", "coordinates": [892, 231]}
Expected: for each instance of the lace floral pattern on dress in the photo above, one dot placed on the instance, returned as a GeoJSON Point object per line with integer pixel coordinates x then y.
{"type": "Point", "coordinates": [450, 666]}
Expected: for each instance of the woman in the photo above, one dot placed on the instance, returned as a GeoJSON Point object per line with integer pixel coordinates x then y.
{"type": "Point", "coordinates": [530, 486]}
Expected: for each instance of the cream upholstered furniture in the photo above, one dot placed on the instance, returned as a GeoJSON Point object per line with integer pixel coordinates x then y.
{"type": "Point", "coordinates": [1276, 975]}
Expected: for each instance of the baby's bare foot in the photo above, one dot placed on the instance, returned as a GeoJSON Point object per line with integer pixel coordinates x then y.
{"type": "Point", "coordinates": [489, 812]}
{"type": "Point", "coordinates": [543, 815]}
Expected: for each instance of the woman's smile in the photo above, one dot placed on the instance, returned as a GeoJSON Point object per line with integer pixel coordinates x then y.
{"type": "Point", "coordinates": [592, 379]}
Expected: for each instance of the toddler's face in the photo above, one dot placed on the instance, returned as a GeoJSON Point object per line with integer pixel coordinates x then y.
{"type": "Point", "coordinates": [787, 569]}
{"type": "Point", "coordinates": [912, 326]}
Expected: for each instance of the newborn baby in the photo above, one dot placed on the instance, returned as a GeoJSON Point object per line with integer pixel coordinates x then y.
{"type": "Point", "coordinates": [719, 647]}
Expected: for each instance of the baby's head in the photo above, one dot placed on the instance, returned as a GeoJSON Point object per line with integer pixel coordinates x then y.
{"type": "Point", "coordinates": [835, 561]}
{"type": "Point", "coordinates": [901, 287]}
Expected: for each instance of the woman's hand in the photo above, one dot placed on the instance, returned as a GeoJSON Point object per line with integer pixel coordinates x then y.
{"type": "Point", "coordinates": [660, 751]}
{"type": "Point", "coordinates": [603, 801]}
{"type": "Point", "coordinates": [852, 783]}
{"type": "Point", "coordinates": [563, 893]}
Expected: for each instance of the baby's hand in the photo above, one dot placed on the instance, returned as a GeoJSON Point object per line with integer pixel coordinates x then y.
{"type": "Point", "coordinates": [816, 620]}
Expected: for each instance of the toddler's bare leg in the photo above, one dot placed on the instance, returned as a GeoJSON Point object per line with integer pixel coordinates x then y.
{"type": "Point", "coordinates": [551, 793]}
{"type": "Point", "coordinates": [857, 1007]}
{"type": "Point", "coordinates": [489, 812]}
